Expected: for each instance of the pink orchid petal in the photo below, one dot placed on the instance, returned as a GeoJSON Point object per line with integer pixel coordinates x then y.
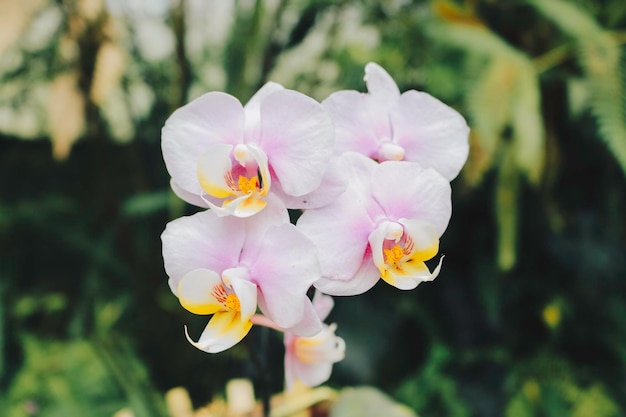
{"type": "Point", "coordinates": [358, 171]}
{"type": "Point", "coordinates": [333, 184]}
{"type": "Point", "coordinates": [214, 118]}
{"type": "Point", "coordinates": [323, 304]}
{"type": "Point", "coordinates": [310, 375]}
{"type": "Point", "coordinates": [380, 85]}
{"type": "Point", "coordinates": [252, 109]}
{"type": "Point", "coordinates": [366, 276]}
{"type": "Point", "coordinates": [431, 133]}
{"type": "Point", "coordinates": [195, 291]}
{"type": "Point", "coordinates": [224, 330]}
{"type": "Point", "coordinates": [310, 324]}
{"type": "Point", "coordinates": [405, 190]}
{"type": "Point", "coordinates": [291, 369]}
{"type": "Point", "coordinates": [274, 214]}
{"type": "Point", "coordinates": [284, 269]}
{"type": "Point", "coordinates": [383, 93]}
{"type": "Point", "coordinates": [310, 359]}
{"type": "Point", "coordinates": [191, 198]}
{"type": "Point", "coordinates": [353, 129]}
{"type": "Point", "coordinates": [214, 166]}
{"type": "Point", "coordinates": [203, 240]}
{"type": "Point", "coordinates": [339, 231]}
{"type": "Point", "coordinates": [297, 136]}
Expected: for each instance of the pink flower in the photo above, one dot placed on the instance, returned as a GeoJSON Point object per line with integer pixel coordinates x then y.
{"type": "Point", "coordinates": [386, 125]}
{"type": "Point", "coordinates": [229, 157]}
{"type": "Point", "coordinates": [227, 267]}
{"type": "Point", "coordinates": [310, 359]}
{"type": "Point", "coordinates": [386, 224]}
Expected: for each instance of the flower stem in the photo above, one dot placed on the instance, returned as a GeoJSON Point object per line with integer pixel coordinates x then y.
{"type": "Point", "coordinates": [260, 358]}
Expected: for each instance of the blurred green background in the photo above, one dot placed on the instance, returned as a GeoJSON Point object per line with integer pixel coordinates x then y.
{"type": "Point", "coordinates": [528, 317]}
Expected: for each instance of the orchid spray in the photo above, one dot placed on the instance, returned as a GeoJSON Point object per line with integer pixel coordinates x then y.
{"type": "Point", "coordinates": [370, 172]}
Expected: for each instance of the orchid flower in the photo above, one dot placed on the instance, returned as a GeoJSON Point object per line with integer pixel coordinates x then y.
{"type": "Point", "coordinates": [228, 267]}
{"type": "Point", "coordinates": [386, 125]}
{"type": "Point", "coordinates": [230, 158]}
{"type": "Point", "coordinates": [385, 225]}
{"type": "Point", "coordinates": [310, 359]}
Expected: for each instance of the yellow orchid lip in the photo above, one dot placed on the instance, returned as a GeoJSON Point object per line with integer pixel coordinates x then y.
{"type": "Point", "coordinates": [230, 299]}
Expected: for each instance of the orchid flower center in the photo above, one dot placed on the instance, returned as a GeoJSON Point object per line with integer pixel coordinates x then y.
{"type": "Point", "coordinates": [394, 253]}
{"type": "Point", "coordinates": [390, 152]}
{"type": "Point", "coordinates": [239, 176]}
{"type": "Point", "coordinates": [248, 185]}
{"type": "Point", "coordinates": [229, 301]}
{"type": "Point", "coordinates": [399, 250]}
{"type": "Point", "coordinates": [244, 177]}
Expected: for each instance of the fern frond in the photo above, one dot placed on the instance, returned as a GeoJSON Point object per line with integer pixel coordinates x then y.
{"type": "Point", "coordinates": [607, 92]}
{"type": "Point", "coordinates": [567, 16]}
{"type": "Point", "coordinates": [599, 56]}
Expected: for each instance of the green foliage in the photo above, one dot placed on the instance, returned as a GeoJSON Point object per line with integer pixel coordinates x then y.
{"type": "Point", "coordinates": [78, 378]}
{"type": "Point", "coordinates": [548, 386]}
{"type": "Point", "coordinates": [431, 391]}
{"type": "Point", "coordinates": [599, 55]}
{"type": "Point", "coordinates": [52, 382]}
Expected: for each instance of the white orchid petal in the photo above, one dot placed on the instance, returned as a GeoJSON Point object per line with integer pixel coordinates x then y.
{"type": "Point", "coordinates": [242, 206]}
{"type": "Point", "coordinates": [261, 160]}
{"type": "Point", "coordinates": [246, 291]}
{"type": "Point", "coordinates": [252, 109]}
{"type": "Point", "coordinates": [286, 256]}
{"type": "Point", "coordinates": [430, 132]}
{"type": "Point", "coordinates": [191, 198]}
{"type": "Point", "coordinates": [224, 330]}
{"type": "Point", "coordinates": [380, 85]}
{"type": "Point", "coordinates": [323, 304]}
{"type": "Point", "coordinates": [196, 292]}
{"type": "Point", "coordinates": [297, 136]}
{"type": "Point", "coordinates": [353, 130]}
{"type": "Point", "coordinates": [406, 190]}
{"type": "Point", "coordinates": [214, 167]}
{"type": "Point", "coordinates": [212, 119]}
{"type": "Point", "coordinates": [414, 274]}
{"type": "Point", "coordinates": [364, 279]}
{"type": "Point", "coordinates": [201, 241]}
{"type": "Point", "coordinates": [310, 359]}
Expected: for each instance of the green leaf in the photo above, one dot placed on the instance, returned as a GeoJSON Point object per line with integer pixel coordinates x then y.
{"type": "Point", "coordinates": [506, 209]}
{"type": "Point", "coordinates": [527, 122]}
{"type": "Point", "coordinates": [146, 203]}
